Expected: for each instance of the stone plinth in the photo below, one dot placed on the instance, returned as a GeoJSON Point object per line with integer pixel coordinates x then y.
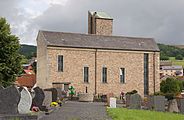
{"type": "Point", "coordinates": [86, 97]}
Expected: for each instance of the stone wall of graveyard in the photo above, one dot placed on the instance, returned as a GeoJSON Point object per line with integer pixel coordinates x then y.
{"type": "Point", "coordinates": [76, 59]}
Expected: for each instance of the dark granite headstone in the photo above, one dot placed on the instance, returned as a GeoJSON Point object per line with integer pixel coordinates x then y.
{"type": "Point", "coordinates": [38, 98]}
{"type": "Point", "coordinates": [135, 101]}
{"type": "Point", "coordinates": [156, 103]}
{"type": "Point", "coordinates": [9, 99]}
{"type": "Point", "coordinates": [127, 100]}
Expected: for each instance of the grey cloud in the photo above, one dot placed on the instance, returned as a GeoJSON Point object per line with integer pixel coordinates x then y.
{"type": "Point", "coordinates": [19, 22]}
{"type": "Point", "coordinates": [160, 19]}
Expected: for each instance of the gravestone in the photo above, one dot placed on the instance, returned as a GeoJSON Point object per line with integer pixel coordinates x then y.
{"type": "Point", "coordinates": [127, 97]}
{"type": "Point", "coordinates": [173, 106]}
{"type": "Point", "coordinates": [112, 102]}
{"type": "Point", "coordinates": [59, 93]}
{"type": "Point", "coordinates": [181, 107]}
{"type": "Point", "coordinates": [54, 93]}
{"type": "Point", "coordinates": [9, 99]}
{"type": "Point", "coordinates": [38, 98]}
{"type": "Point", "coordinates": [25, 101]}
{"type": "Point", "coordinates": [156, 103]}
{"type": "Point", "coordinates": [135, 101]}
{"type": "Point", "coordinates": [48, 98]}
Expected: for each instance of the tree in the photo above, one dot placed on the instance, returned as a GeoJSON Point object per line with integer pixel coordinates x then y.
{"type": "Point", "coordinates": [179, 57]}
{"type": "Point", "coordinates": [10, 59]}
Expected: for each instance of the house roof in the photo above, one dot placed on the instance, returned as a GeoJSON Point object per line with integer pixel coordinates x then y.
{"type": "Point", "coordinates": [27, 80]}
{"type": "Point", "coordinates": [173, 67]}
{"type": "Point", "coordinates": [77, 40]}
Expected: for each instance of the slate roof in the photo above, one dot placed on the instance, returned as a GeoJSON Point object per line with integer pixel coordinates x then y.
{"type": "Point", "coordinates": [77, 40]}
{"type": "Point", "coordinates": [173, 67]}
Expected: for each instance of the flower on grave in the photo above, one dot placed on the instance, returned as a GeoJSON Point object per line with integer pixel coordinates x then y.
{"type": "Point", "coordinates": [35, 109]}
{"type": "Point", "coordinates": [54, 104]}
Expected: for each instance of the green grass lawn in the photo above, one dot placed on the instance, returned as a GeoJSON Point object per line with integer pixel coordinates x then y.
{"type": "Point", "coordinates": [176, 62]}
{"type": "Point", "coordinates": [127, 114]}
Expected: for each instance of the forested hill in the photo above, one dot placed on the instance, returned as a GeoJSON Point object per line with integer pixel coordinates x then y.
{"type": "Point", "coordinates": [28, 50]}
{"type": "Point", "coordinates": [165, 50]}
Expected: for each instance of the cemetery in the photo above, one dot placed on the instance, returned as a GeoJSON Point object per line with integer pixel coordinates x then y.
{"type": "Point", "coordinates": [30, 104]}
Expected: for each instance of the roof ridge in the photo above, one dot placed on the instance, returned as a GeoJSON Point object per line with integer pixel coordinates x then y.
{"type": "Point", "coordinates": [118, 36]}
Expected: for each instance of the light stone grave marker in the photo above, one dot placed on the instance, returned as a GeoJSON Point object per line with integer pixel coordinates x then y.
{"type": "Point", "coordinates": [112, 102]}
{"type": "Point", "coordinates": [25, 101]}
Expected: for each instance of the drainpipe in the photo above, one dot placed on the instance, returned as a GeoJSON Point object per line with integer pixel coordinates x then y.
{"type": "Point", "coordinates": [95, 71]}
{"type": "Point", "coordinates": [154, 72]}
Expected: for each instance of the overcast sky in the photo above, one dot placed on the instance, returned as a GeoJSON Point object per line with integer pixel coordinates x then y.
{"type": "Point", "coordinates": [160, 19]}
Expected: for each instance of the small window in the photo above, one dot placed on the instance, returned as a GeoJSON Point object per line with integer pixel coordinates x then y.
{"type": "Point", "coordinates": [86, 74]}
{"type": "Point", "coordinates": [122, 75]}
{"type": "Point", "coordinates": [60, 63]}
{"type": "Point", "coordinates": [104, 75]}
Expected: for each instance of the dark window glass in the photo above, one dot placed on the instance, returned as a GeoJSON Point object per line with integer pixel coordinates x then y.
{"type": "Point", "coordinates": [60, 63]}
{"type": "Point", "coordinates": [122, 75]}
{"type": "Point", "coordinates": [86, 74]}
{"type": "Point", "coordinates": [146, 77]}
{"type": "Point", "coordinates": [104, 75]}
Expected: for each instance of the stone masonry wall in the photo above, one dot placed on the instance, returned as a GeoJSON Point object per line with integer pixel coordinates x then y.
{"type": "Point", "coordinates": [41, 76]}
{"type": "Point", "coordinates": [76, 59]}
{"type": "Point", "coordinates": [104, 26]}
{"type": "Point", "coordinates": [74, 62]}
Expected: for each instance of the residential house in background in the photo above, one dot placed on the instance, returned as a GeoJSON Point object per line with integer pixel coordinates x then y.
{"type": "Point", "coordinates": [173, 70]}
{"type": "Point", "coordinates": [28, 76]}
{"type": "Point", "coordinates": [98, 62]}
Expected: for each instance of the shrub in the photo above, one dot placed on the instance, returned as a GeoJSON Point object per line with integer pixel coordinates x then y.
{"type": "Point", "coordinates": [170, 87]}
{"type": "Point", "coordinates": [179, 57]}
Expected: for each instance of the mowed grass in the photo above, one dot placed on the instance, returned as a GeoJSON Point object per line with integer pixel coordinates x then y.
{"type": "Point", "coordinates": [176, 62]}
{"type": "Point", "coordinates": [129, 114]}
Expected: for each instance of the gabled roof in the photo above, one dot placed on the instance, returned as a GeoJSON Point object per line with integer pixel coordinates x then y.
{"type": "Point", "coordinates": [76, 40]}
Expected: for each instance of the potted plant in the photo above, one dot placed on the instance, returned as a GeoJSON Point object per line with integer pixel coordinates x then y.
{"type": "Point", "coordinates": [72, 92]}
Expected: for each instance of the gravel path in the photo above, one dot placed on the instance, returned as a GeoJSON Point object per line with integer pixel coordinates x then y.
{"type": "Point", "coordinates": [79, 111]}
